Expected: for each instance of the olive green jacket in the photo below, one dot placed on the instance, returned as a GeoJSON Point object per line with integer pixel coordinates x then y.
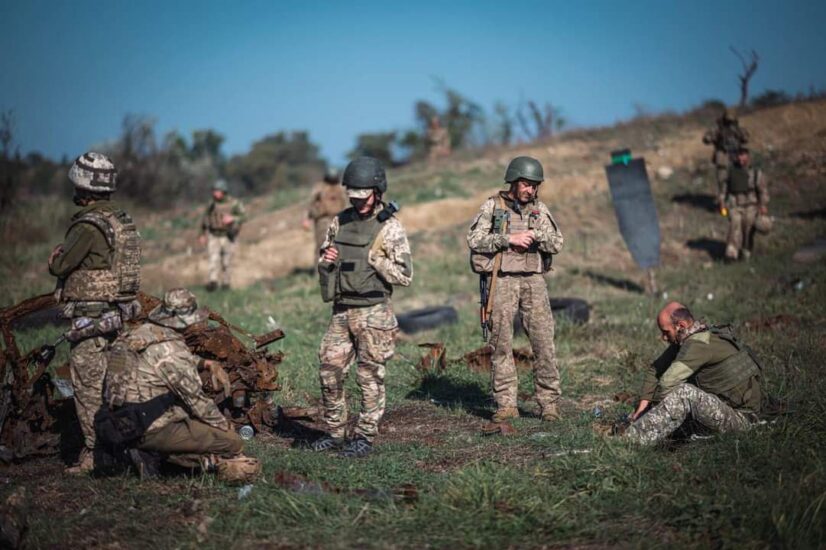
{"type": "Point", "coordinates": [84, 246]}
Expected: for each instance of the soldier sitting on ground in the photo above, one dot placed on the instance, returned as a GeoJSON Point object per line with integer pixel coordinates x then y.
{"type": "Point", "coordinates": [706, 375]}
{"type": "Point", "coordinates": [155, 406]}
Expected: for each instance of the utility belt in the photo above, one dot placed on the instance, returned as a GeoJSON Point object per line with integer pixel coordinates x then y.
{"type": "Point", "coordinates": [127, 424]}
{"type": "Point", "coordinates": [92, 319]}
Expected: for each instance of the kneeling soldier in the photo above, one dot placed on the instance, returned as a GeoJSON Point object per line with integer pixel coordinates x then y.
{"type": "Point", "coordinates": [154, 401]}
{"type": "Point", "coordinates": [365, 253]}
{"type": "Point", "coordinates": [706, 374]}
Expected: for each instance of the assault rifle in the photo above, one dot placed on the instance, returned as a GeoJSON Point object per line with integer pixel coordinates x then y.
{"type": "Point", "coordinates": [484, 291]}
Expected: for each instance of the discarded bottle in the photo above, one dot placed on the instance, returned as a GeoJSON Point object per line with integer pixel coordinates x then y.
{"type": "Point", "coordinates": [246, 432]}
{"type": "Point", "coordinates": [597, 412]}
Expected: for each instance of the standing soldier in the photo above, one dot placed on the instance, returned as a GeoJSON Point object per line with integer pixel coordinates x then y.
{"type": "Point", "coordinates": [512, 240]}
{"type": "Point", "coordinates": [219, 229]}
{"type": "Point", "coordinates": [327, 201]}
{"type": "Point", "coordinates": [438, 140]}
{"type": "Point", "coordinates": [98, 271]}
{"type": "Point", "coordinates": [364, 254]}
{"type": "Point", "coordinates": [727, 137]}
{"type": "Point", "coordinates": [745, 197]}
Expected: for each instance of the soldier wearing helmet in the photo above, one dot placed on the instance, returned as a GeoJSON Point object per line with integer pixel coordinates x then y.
{"type": "Point", "coordinates": [219, 229]}
{"type": "Point", "coordinates": [98, 271]}
{"type": "Point", "coordinates": [727, 136]}
{"type": "Point", "coordinates": [364, 255]}
{"type": "Point", "coordinates": [512, 240]}
{"type": "Point", "coordinates": [327, 200]}
{"type": "Point", "coordinates": [155, 406]}
{"type": "Point", "coordinates": [438, 140]}
{"type": "Point", "coordinates": [745, 198]}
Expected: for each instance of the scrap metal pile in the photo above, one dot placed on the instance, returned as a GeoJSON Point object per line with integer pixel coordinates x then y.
{"type": "Point", "coordinates": [34, 413]}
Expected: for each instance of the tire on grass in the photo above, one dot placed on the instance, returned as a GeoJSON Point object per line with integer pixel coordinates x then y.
{"type": "Point", "coordinates": [426, 318]}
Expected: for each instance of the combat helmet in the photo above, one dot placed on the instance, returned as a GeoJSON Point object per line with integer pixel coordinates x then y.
{"type": "Point", "coordinates": [524, 168]}
{"type": "Point", "coordinates": [729, 115]}
{"type": "Point", "coordinates": [220, 185]}
{"type": "Point", "coordinates": [331, 175]}
{"type": "Point", "coordinates": [364, 173]}
{"type": "Point", "coordinates": [94, 172]}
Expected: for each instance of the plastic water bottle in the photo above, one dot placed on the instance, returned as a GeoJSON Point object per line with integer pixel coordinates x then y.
{"type": "Point", "coordinates": [246, 432]}
{"type": "Point", "coordinates": [597, 412]}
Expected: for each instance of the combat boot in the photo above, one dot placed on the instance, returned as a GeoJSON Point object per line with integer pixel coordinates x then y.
{"type": "Point", "coordinates": [358, 447]}
{"type": "Point", "coordinates": [212, 286]}
{"type": "Point", "coordinates": [85, 463]}
{"type": "Point", "coordinates": [327, 443]}
{"type": "Point", "coordinates": [147, 464]}
{"type": "Point", "coordinates": [550, 413]}
{"type": "Point", "coordinates": [504, 413]}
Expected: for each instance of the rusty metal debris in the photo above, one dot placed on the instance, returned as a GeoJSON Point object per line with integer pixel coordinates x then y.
{"type": "Point", "coordinates": [33, 414]}
{"type": "Point", "coordinates": [478, 360]}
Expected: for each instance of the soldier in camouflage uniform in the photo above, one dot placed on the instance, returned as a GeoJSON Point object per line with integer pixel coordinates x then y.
{"type": "Point", "coordinates": [153, 373]}
{"type": "Point", "coordinates": [513, 239]}
{"type": "Point", "coordinates": [327, 200]}
{"type": "Point", "coordinates": [364, 254]}
{"type": "Point", "coordinates": [438, 140]}
{"type": "Point", "coordinates": [98, 271]}
{"type": "Point", "coordinates": [745, 196]}
{"type": "Point", "coordinates": [219, 229]}
{"type": "Point", "coordinates": [727, 137]}
{"type": "Point", "coordinates": [706, 374]}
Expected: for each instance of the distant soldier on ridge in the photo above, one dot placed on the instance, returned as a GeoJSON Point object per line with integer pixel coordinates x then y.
{"type": "Point", "coordinates": [327, 200]}
{"type": "Point", "coordinates": [438, 140]}
{"type": "Point", "coordinates": [727, 136]}
{"type": "Point", "coordinates": [219, 229]}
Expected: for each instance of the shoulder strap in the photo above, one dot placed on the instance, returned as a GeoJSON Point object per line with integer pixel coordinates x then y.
{"type": "Point", "coordinates": [99, 220]}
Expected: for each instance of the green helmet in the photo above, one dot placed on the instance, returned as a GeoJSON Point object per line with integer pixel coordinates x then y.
{"type": "Point", "coordinates": [93, 172]}
{"type": "Point", "coordinates": [365, 173]}
{"type": "Point", "coordinates": [730, 115]}
{"type": "Point", "coordinates": [220, 185]}
{"type": "Point", "coordinates": [524, 168]}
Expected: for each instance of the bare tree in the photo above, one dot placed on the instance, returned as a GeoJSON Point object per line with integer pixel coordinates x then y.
{"type": "Point", "coordinates": [539, 122]}
{"type": "Point", "coordinates": [749, 68]}
{"type": "Point", "coordinates": [9, 161]}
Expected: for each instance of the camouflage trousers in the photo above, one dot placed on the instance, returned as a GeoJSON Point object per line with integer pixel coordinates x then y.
{"type": "Point", "coordinates": [687, 400]}
{"type": "Point", "coordinates": [187, 440]}
{"type": "Point", "coordinates": [87, 365]}
{"type": "Point", "coordinates": [740, 240]}
{"type": "Point", "coordinates": [528, 295]}
{"type": "Point", "coordinates": [368, 335]}
{"type": "Point", "coordinates": [320, 227]}
{"type": "Point", "coordinates": [220, 249]}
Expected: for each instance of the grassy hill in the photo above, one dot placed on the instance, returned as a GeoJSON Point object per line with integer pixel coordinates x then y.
{"type": "Point", "coordinates": [435, 480]}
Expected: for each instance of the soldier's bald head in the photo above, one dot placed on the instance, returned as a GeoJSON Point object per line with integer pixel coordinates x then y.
{"type": "Point", "coordinates": [672, 319]}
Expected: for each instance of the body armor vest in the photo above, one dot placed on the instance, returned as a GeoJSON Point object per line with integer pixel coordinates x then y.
{"type": "Point", "coordinates": [215, 216]}
{"type": "Point", "coordinates": [507, 222]}
{"type": "Point", "coordinates": [729, 373]}
{"type": "Point", "coordinates": [120, 282]}
{"type": "Point", "coordinates": [741, 180]}
{"type": "Point", "coordinates": [358, 282]}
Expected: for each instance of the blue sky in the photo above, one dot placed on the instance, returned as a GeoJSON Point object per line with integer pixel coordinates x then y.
{"type": "Point", "coordinates": [72, 70]}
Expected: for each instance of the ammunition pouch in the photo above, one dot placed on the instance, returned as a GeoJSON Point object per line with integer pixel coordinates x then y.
{"type": "Point", "coordinates": [126, 425]}
{"type": "Point", "coordinates": [83, 328]}
{"type": "Point", "coordinates": [327, 277]}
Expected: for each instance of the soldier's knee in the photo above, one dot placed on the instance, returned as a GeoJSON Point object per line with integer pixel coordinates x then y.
{"type": "Point", "coordinates": [331, 376]}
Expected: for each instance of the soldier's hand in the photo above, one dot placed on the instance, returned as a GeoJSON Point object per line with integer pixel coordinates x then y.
{"type": "Point", "coordinates": [763, 210]}
{"type": "Point", "coordinates": [202, 240]}
{"type": "Point", "coordinates": [228, 219]}
{"type": "Point", "coordinates": [330, 254]}
{"type": "Point", "coordinates": [218, 376]}
{"type": "Point", "coordinates": [306, 223]}
{"type": "Point", "coordinates": [521, 240]}
{"type": "Point", "coordinates": [55, 251]}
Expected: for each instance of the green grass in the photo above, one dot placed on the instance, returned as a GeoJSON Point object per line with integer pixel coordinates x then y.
{"type": "Point", "coordinates": [765, 488]}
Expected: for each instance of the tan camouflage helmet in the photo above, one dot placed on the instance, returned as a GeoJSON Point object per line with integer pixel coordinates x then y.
{"type": "Point", "coordinates": [238, 469]}
{"type": "Point", "coordinates": [763, 224]}
{"type": "Point", "coordinates": [178, 310]}
{"type": "Point", "coordinates": [94, 172]}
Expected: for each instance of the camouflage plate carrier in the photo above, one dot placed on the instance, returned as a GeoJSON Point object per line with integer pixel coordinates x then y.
{"type": "Point", "coordinates": [359, 283]}
{"type": "Point", "coordinates": [121, 281]}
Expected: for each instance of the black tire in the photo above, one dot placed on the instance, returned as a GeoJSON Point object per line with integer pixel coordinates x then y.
{"type": "Point", "coordinates": [426, 318]}
{"type": "Point", "coordinates": [567, 310]}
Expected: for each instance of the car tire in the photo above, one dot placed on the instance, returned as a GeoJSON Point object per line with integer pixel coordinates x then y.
{"type": "Point", "coordinates": [427, 318]}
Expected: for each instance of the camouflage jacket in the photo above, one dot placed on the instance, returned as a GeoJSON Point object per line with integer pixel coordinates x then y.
{"type": "Point", "coordinates": [481, 238]}
{"type": "Point", "coordinates": [726, 139]}
{"type": "Point", "coordinates": [164, 365]}
{"type": "Point", "coordinates": [390, 253]}
{"type": "Point", "coordinates": [212, 220]}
